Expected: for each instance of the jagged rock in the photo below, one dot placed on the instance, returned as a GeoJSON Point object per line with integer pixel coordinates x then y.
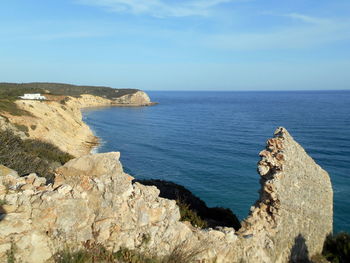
{"type": "Point", "coordinates": [93, 200]}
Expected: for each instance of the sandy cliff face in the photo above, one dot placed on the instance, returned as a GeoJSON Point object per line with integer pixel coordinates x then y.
{"type": "Point", "coordinates": [93, 200]}
{"type": "Point", "coordinates": [60, 123]}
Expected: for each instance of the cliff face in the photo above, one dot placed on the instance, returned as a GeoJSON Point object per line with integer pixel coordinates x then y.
{"type": "Point", "coordinates": [59, 120]}
{"type": "Point", "coordinates": [93, 200]}
{"type": "Point", "coordinates": [138, 98]}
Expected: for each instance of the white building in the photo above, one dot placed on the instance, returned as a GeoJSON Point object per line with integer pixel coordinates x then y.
{"type": "Point", "coordinates": [33, 96]}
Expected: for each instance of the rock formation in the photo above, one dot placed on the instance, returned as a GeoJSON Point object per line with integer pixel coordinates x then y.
{"type": "Point", "coordinates": [93, 200]}
{"type": "Point", "coordinates": [139, 98]}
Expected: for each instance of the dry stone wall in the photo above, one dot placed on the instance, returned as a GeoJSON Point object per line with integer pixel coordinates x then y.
{"type": "Point", "coordinates": [93, 200]}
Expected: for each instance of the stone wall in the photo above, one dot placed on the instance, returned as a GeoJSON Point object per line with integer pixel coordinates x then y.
{"type": "Point", "coordinates": [93, 200]}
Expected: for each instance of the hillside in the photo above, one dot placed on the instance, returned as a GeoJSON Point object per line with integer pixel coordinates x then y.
{"type": "Point", "coordinates": [57, 119]}
{"type": "Point", "coordinates": [13, 90]}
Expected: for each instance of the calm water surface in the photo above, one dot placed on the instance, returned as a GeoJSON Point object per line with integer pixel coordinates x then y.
{"type": "Point", "coordinates": [209, 141]}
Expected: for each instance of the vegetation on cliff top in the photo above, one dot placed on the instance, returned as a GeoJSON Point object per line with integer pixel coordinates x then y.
{"type": "Point", "coordinates": [9, 92]}
{"type": "Point", "coordinates": [30, 156]}
{"type": "Point", "coordinates": [13, 90]}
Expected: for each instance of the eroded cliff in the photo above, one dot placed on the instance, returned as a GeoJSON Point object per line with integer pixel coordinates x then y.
{"type": "Point", "coordinates": [93, 200]}
{"type": "Point", "coordinates": [59, 120]}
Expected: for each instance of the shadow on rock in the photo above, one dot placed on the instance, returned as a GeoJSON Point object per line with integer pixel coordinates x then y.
{"type": "Point", "coordinates": [2, 213]}
{"type": "Point", "coordinates": [299, 252]}
{"type": "Point", "coordinates": [215, 216]}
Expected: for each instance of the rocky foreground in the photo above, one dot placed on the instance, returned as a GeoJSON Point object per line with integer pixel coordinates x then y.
{"type": "Point", "coordinates": [92, 200]}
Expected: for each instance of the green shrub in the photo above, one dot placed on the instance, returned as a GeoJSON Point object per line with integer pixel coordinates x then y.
{"type": "Point", "coordinates": [3, 202]}
{"type": "Point", "coordinates": [10, 106]}
{"type": "Point", "coordinates": [46, 151]}
{"type": "Point", "coordinates": [95, 253]}
{"type": "Point", "coordinates": [189, 215]}
{"type": "Point", "coordinates": [193, 208]}
{"type": "Point", "coordinates": [30, 156]}
{"type": "Point", "coordinates": [21, 127]}
{"type": "Point", "coordinates": [10, 254]}
{"type": "Point", "coordinates": [132, 256]}
{"type": "Point", "coordinates": [13, 90]}
{"type": "Point", "coordinates": [337, 248]}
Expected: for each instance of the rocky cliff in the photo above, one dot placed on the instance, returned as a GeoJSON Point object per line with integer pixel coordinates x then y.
{"type": "Point", "coordinates": [93, 200]}
{"type": "Point", "coordinates": [59, 120]}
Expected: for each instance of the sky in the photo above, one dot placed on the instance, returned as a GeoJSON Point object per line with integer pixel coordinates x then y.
{"type": "Point", "coordinates": [178, 44]}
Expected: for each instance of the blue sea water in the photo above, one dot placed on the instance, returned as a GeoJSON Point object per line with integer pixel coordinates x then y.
{"type": "Point", "coordinates": [209, 141]}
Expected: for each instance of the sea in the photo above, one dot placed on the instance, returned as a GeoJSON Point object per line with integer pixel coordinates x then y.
{"type": "Point", "coordinates": [209, 141]}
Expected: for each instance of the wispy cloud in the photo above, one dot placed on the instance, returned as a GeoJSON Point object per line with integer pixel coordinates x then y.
{"type": "Point", "coordinates": [67, 35]}
{"type": "Point", "coordinates": [308, 19]}
{"type": "Point", "coordinates": [314, 33]}
{"type": "Point", "coordinates": [158, 8]}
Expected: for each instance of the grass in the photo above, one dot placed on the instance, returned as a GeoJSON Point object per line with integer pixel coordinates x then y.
{"type": "Point", "coordinates": [97, 253]}
{"type": "Point", "coordinates": [189, 215]}
{"type": "Point", "coordinates": [10, 254]}
{"type": "Point", "coordinates": [30, 156]}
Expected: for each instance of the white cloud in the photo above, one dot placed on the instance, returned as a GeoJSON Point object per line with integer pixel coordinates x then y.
{"type": "Point", "coordinates": [312, 32]}
{"type": "Point", "coordinates": [67, 35]}
{"type": "Point", "coordinates": [158, 8]}
{"type": "Point", "coordinates": [308, 19]}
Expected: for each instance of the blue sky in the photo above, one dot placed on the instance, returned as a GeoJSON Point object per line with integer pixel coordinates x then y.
{"type": "Point", "coordinates": [178, 45]}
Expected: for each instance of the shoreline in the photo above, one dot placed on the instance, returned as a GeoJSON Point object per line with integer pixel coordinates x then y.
{"type": "Point", "coordinates": [97, 143]}
{"type": "Point", "coordinates": [61, 123]}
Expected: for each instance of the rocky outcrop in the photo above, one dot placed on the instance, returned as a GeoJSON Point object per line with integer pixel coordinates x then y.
{"type": "Point", "coordinates": [59, 120]}
{"type": "Point", "coordinates": [295, 211]}
{"type": "Point", "coordinates": [93, 200]}
{"type": "Point", "coordinates": [138, 98]}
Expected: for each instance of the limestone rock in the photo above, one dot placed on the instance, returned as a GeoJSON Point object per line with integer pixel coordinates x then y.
{"type": "Point", "coordinates": [139, 98]}
{"type": "Point", "coordinates": [93, 200]}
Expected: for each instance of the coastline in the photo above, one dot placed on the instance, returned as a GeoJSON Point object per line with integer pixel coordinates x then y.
{"type": "Point", "coordinates": [97, 143]}
{"type": "Point", "coordinates": [61, 122]}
